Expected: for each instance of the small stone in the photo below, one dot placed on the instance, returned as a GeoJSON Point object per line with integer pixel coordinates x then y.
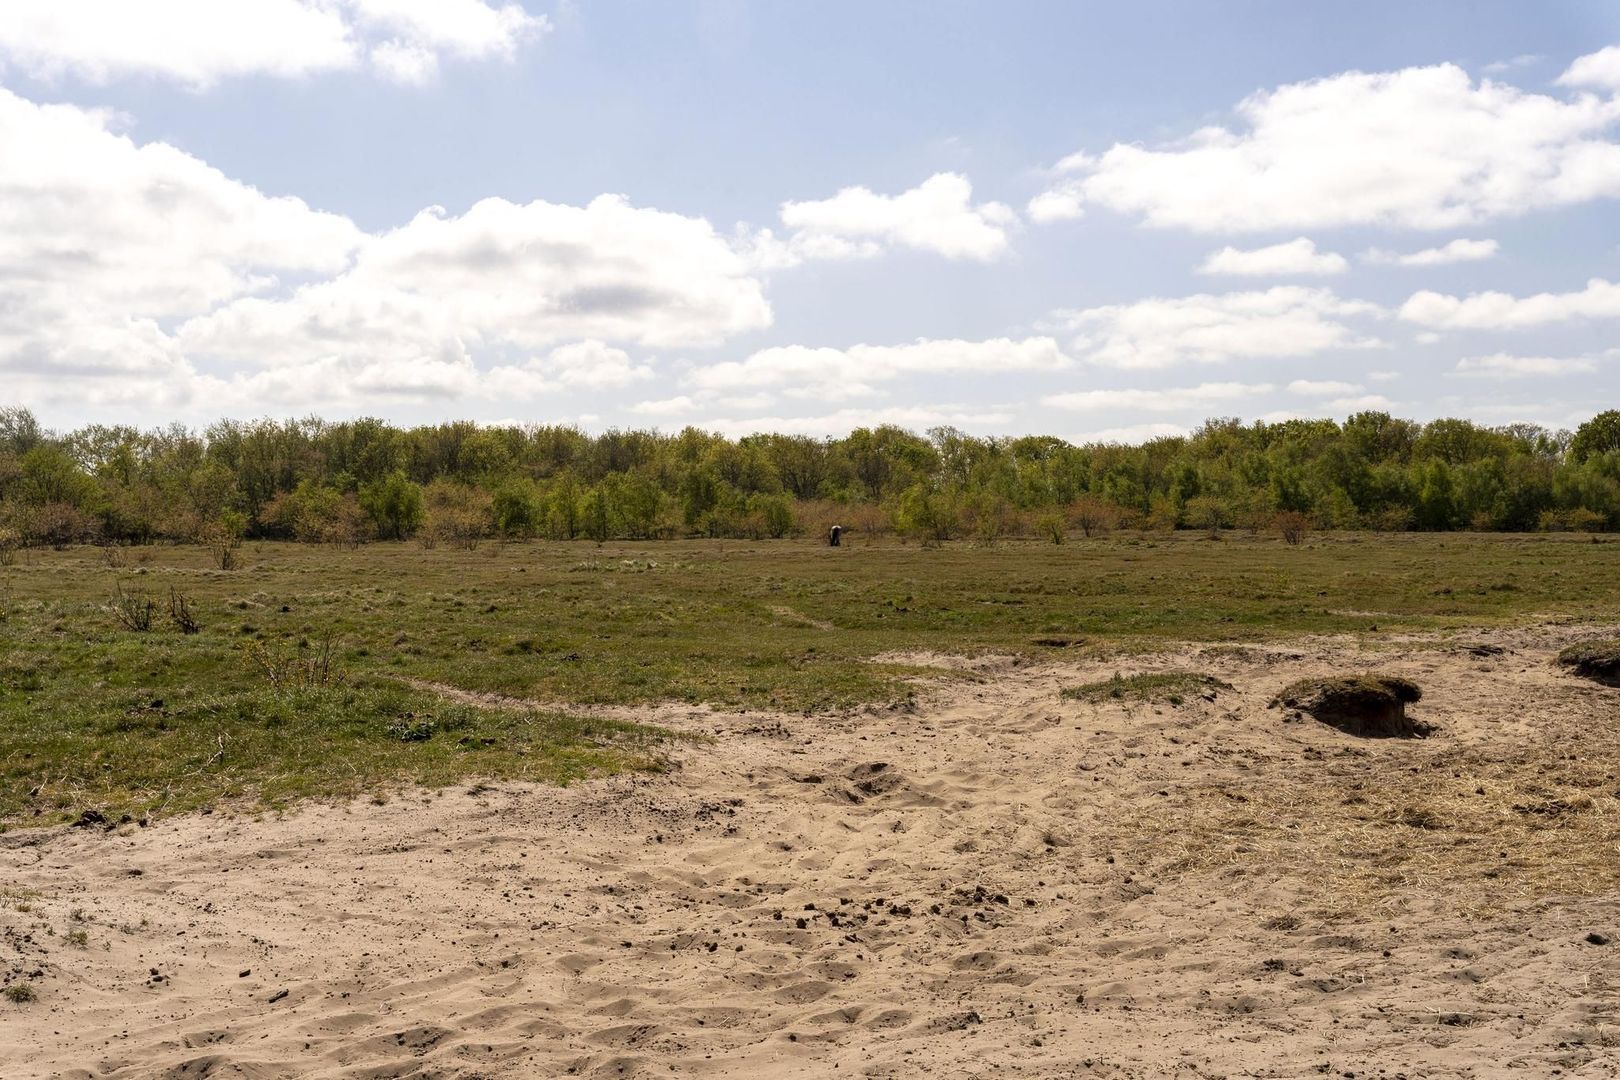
{"type": "Point", "coordinates": [1595, 938]}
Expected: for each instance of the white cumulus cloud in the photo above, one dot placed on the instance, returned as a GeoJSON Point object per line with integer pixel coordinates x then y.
{"type": "Point", "coordinates": [1206, 396]}
{"type": "Point", "coordinates": [500, 277]}
{"type": "Point", "coordinates": [1134, 434]}
{"type": "Point", "coordinates": [832, 374]}
{"type": "Point", "coordinates": [102, 240]}
{"type": "Point", "coordinates": [938, 215]}
{"type": "Point", "coordinates": [1503, 311]}
{"type": "Point", "coordinates": [1457, 251]}
{"type": "Point", "coordinates": [1600, 70]}
{"type": "Point", "coordinates": [1284, 321]}
{"type": "Point", "coordinates": [1424, 148]}
{"type": "Point", "coordinates": [1293, 257]}
{"type": "Point", "coordinates": [200, 42]}
{"type": "Point", "coordinates": [136, 272]}
{"type": "Point", "coordinates": [1507, 366]}
{"type": "Point", "coordinates": [1322, 388]}
{"type": "Point", "coordinates": [843, 421]}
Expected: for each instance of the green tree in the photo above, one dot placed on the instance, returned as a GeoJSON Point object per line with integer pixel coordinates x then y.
{"type": "Point", "coordinates": [1599, 435]}
{"type": "Point", "coordinates": [394, 504]}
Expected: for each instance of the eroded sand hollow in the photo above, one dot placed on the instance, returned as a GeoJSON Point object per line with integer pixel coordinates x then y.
{"type": "Point", "coordinates": [964, 890]}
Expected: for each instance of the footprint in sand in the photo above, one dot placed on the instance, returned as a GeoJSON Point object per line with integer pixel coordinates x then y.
{"type": "Point", "coordinates": [578, 963]}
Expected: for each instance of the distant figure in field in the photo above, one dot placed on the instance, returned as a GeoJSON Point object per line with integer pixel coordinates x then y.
{"type": "Point", "coordinates": [835, 534]}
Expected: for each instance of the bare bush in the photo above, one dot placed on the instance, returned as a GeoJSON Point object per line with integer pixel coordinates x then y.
{"type": "Point", "coordinates": [134, 610]}
{"type": "Point", "coordinates": [1092, 515]}
{"type": "Point", "coordinates": [180, 613]}
{"type": "Point", "coordinates": [1293, 526]}
{"type": "Point", "coordinates": [224, 543]}
{"type": "Point", "coordinates": [292, 668]}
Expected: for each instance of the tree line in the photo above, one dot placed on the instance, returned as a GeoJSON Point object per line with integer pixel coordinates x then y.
{"type": "Point", "coordinates": [353, 481]}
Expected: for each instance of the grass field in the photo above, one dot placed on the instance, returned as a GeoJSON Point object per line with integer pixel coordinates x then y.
{"type": "Point", "coordinates": [305, 674]}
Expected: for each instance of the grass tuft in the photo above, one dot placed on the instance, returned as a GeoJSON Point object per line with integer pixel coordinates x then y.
{"type": "Point", "coordinates": [1598, 660]}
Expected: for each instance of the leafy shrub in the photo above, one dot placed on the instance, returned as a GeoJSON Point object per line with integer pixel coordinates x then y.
{"type": "Point", "coordinates": [1579, 519]}
{"type": "Point", "coordinates": [1208, 513]}
{"type": "Point", "coordinates": [458, 514]}
{"type": "Point", "coordinates": [1051, 527]}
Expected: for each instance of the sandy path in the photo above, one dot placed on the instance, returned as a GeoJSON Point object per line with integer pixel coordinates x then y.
{"type": "Point", "coordinates": [950, 892]}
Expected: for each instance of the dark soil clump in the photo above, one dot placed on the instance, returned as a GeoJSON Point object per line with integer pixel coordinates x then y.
{"type": "Point", "coordinates": [1596, 660]}
{"type": "Point", "coordinates": [1369, 706]}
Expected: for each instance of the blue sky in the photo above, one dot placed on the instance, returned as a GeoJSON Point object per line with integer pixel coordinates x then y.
{"type": "Point", "coordinates": [1089, 220]}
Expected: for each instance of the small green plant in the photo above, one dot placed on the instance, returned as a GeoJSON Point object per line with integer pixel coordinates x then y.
{"type": "Point", "coordinates": [20, 993]}
{"type": "Point", "coordinates": [77, 937]}
{"type": "Point", "coordinates": [412, 728]}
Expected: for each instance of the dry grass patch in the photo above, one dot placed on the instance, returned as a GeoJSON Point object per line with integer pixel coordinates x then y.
{"type": "Point", "coordinates": [1482, 828]}
{"type": "Point", "coordinates": [1173, 687]}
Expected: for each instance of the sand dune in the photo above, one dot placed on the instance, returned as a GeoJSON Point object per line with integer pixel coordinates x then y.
{"type": "Point", "coordinates": [997, 883]}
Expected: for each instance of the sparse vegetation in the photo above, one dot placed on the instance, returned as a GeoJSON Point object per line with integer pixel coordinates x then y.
{"type": "Point", "coordinates": [19, 993]}
{"type": "Point", "coordinates": [1173, 687]}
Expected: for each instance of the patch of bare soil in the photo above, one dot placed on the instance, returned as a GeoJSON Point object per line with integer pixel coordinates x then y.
{"type": "Point", "coordinates": [1001, 883]}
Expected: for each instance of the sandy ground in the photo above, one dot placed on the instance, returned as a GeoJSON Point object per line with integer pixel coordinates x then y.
{"type": "Point", "coordinates": [983, 886]}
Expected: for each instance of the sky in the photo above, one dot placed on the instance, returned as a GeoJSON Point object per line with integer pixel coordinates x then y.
{"type": "Point", "coordinates": [1101, 221]}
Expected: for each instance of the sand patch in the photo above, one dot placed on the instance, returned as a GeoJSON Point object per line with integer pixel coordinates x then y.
{"type": "Point", "coordinates": [1003, 882]}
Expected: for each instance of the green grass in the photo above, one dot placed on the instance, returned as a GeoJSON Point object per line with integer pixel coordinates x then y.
{"type": "Point", "coordinates": [1171, 686]}
{"type": "Point", "coordinates": [95, 715]}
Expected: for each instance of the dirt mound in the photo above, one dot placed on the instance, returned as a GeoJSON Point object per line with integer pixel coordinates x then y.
{"type": "Point", "coordinates": [1598, 660]}
{"type": "Point", "coordinates": [1370, 706]}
